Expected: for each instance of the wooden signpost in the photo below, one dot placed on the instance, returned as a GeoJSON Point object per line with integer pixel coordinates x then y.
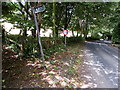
{"type": "Point", "coordinates": [65, 32]}
{"type": "Point", "coordinates": [37, 10]}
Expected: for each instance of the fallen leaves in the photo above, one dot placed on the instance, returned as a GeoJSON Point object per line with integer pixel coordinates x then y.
{"type": "Point", "coordinates": [52, 72]}
{"type": "Point", "coordinates": [56, 73]}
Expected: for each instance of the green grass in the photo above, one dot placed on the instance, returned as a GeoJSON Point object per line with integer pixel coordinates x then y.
{"type": "Point", "coordinates": [76, 60]}
{"type": "Point", "coordinates": [71, 70]}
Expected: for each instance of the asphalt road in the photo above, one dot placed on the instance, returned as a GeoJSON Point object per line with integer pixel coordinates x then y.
{"type": "Point", "coordinates": [100, 67]}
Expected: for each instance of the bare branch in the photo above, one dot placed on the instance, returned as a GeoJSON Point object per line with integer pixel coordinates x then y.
{"type": "Point", "coordinates": [26, 10]}
{"type": "Point", "coordinates": [16, 6]}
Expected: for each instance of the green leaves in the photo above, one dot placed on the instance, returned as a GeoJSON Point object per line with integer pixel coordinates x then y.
{"type": "Point", "coordinates": [116, 34]}
{"type": "Point", "coordinates": [7, 8]}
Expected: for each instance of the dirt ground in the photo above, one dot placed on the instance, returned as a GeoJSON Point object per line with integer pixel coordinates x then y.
{"type": "Point", "coordinates": [62, 69]}
{"type": "Point", "coordinates": [116, 45]}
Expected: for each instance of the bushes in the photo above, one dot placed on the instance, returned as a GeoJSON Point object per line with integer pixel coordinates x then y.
{"type": "Point", "coordinates": [116, 34]}
{"type": "Point", "coordinates": [50, 51]}
{"type": "Point", "coordinates": [95, 36]}
{"type": "Point", "coordinates": [31, 46]}
{"type": "Point", "coordinates": [49, 42]}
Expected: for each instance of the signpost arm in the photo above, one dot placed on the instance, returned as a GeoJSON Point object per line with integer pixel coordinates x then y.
{"type": "Point", "coordinates": [38, 34]}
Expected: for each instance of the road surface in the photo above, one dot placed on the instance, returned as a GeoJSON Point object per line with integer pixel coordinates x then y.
{"type": "Point", "coordinates": [100, 67]}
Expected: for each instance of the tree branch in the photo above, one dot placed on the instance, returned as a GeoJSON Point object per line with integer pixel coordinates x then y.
{"type": "Point", "coordinates": [16, 6]}
{"type": "Point", "coordinates": [26, 10]}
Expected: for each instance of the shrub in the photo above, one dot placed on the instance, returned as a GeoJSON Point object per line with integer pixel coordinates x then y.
{"type": "Point", "coordinates": [116, 34]}
{"type": "Point", "coordinates": [74, 39]}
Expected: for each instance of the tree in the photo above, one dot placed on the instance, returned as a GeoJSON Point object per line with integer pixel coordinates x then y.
{"type": "Point", "coordinates": [93, 14]}
{"type": "Point", "coordinates": [115, 20]}
{"type": "Point", "coordinates": [21, 17]}
{"type": "Point", "coordinates": [61, 14]}
{"type": "Point", "coordinates": [54, 19]}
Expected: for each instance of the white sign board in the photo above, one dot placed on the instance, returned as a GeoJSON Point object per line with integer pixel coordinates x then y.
{"type": "Point", "coordinates": [39, 9]}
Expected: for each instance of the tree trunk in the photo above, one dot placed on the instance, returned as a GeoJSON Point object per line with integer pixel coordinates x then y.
{"type": "Point", "coordinates": [73, 33]}
{"type": "Point", "coordinates": [3, 35]}
{"type": "Point", "coordinates": [81, 27]}
{"type": "Point", "coordinates": [86, 28]}
{"type": "Point", "coordinates": [34, 32]}
{"type": "Point", "coordinates": [56, 31]}
{"type": "Point", "coordinates": [54, 18]}
{"type": "Point", "coordinates": [65, 27]}
{"type": "Point", "coordinates": [24, 36]}
{"type": "Point", "coordinates": [81, 33]}
{"type": "Point", "coordinates": [77, 33]}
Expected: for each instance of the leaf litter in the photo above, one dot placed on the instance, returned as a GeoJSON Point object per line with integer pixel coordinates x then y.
{"type": "Point", "coordinates": [62, 70]}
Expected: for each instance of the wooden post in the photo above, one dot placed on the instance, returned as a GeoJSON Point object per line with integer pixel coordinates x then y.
{"type": "Point", "coordinates": [38, 34]}
{"type": "Point", "coordinates": [65, 40]}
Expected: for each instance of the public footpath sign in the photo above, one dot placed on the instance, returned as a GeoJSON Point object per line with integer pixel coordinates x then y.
{"type": "Point", "coordinates": [39, 9]}
{"type": "Point", "coordinates": [65, 32]}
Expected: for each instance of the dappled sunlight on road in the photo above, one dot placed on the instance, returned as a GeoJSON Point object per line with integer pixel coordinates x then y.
{"type": "Point", "coordinates": [100, 65]}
